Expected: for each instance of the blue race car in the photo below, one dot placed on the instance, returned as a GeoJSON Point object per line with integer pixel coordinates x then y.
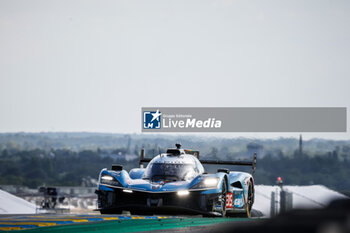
{"type": "Point", "coordinates": [175, 183]}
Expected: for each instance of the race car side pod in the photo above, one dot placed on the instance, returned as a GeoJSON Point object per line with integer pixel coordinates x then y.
{"type": "Point", "coordinates": [237, 163]}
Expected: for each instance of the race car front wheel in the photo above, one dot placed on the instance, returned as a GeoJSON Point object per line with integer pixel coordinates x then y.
{"type": "Point", "coordinates": [223, 198]}
{"type": "Point", "coordinates": [220, 205]}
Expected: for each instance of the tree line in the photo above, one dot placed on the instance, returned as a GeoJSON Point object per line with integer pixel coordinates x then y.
{"type": "Point", "coordinates": [64, 167]}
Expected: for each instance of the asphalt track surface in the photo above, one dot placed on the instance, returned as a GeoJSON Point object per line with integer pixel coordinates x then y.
{"type": "Point", "coordinates": [333, 218]}
{"type": "Point", "coordinates": [110, 223]}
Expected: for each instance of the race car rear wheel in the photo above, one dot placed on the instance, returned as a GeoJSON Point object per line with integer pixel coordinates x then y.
{"type": "Point", "coordinates": [250, 200]}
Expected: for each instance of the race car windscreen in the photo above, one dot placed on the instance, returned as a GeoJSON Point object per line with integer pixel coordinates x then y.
{"type": "Point", "coordinates": [169, 172]}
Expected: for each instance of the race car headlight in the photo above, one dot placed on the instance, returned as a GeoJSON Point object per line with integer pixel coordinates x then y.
{"type": "Point", "coordinates": [211, 182]}
{"type": "Point", "coordinates": [106, 179]}
{"type": "Point", "coordinates": [183, 193]}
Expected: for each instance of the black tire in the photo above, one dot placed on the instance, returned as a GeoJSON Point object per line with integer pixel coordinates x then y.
{"type": "Point", "coordinates": [250, 201]}
{"type": "Point", "coordinates": [111, 211]}
{"type": "Point", "coordinates": [223, 198]}
{"type": "Point", "coordinates": [250, 197]}
{"type": "Point", "coordinates": [104, 212]}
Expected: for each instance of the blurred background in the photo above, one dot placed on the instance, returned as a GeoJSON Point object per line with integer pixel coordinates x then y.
{"type": "Point", "coordinates": [315, 170]}
{"type": "Point", "coordinates": [74, 75]}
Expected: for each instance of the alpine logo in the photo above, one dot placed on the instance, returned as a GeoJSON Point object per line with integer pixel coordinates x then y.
{"type": "Point", "coordinates": [152, 119]}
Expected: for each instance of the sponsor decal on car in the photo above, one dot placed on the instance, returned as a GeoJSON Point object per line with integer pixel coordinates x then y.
{"type": "Point", "coordinates": [229, 201]}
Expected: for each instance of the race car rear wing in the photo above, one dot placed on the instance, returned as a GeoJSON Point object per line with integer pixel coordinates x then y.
{"type": "Point", "coordinates": [236, 163]}
{"type": "Point", "coordinates": [143, 159]}
{"type": "Point", "coordinates": [212, 162]}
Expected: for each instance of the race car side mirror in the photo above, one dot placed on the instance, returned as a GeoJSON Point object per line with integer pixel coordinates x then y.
{"type": "Point", "coordinates": [224, 170]}
{"type": "Point", "coordinates": [117, 167]}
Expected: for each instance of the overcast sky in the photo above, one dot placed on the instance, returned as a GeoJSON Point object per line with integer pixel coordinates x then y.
{"type": "Point", "coordinates": [91, 65]}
